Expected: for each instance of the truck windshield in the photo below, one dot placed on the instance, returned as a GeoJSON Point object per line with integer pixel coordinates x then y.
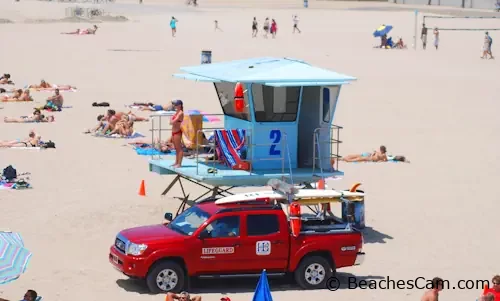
{"type": "Point", "coordinates": [188, 221]}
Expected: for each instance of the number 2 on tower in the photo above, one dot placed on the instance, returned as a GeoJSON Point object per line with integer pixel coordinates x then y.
{"type": "Point", "coordinates": [275, 135]}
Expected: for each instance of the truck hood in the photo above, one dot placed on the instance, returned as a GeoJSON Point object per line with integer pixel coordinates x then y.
{"type": "Point", "coordinates": [153, 233]}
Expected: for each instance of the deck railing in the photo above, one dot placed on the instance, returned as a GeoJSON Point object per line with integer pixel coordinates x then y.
{"type": "Point", "coordinates": [333, 141]}
{"type": "Point", "coordinates": [158, 127]}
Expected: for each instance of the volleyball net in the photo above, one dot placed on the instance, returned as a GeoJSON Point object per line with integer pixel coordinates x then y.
{"type": "Point", "coordinates": [486, 28]}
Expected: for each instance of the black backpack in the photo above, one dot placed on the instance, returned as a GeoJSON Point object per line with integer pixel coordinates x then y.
{"type": "Point", "coordinates": [9, 173]}
{"type": "Point", "coordinates": [49, 144]}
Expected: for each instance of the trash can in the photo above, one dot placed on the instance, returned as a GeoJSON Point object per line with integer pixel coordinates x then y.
{"type": "Point", "coordinates": [355, 210]}
{"type": "Point", "coordinates": [206, 57]}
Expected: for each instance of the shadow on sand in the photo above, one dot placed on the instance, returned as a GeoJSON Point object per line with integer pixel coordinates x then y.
{"type": "Point", "coordinates": [240, 285]}
{"type": "Point", "coordinates": [373, 236]}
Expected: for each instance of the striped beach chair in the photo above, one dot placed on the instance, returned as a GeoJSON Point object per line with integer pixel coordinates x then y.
{"type": "Point", "coordinates": [231, 148]}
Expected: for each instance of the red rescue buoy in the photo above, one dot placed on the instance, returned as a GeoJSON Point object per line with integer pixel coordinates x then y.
{"type": "Point", "coordinates": [238, 90]}
{"type": "Point", "coordinates": [239, 105]}
{"type": "Point", "coordinates": [295, 219]}
{"type": "Point", "coordinates": [239, 99]}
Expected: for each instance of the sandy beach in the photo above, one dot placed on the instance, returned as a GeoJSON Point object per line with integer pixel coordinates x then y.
{"type": "Point", "coordinates": [433, 217]}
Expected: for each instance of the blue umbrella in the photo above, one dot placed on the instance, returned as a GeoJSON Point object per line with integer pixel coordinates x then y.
{"type": "Point", "coordinates": [382, 30]}
{"type": "Point", "coordinates": [14, 258]}
{"type": "Point", "coordinates": [262, 291]}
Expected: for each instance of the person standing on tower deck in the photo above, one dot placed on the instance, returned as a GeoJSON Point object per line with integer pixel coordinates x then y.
{"type": "Point", "coordinates": [173, 25]}
{"type": "Point", "coordinates": [176, 121]}
{"type": "Point", "coordinates": [423, 36]}
{"type": "Point", "coordinates": [295, 19]}
{"type": "Point", "coordinates": [436, 38]}
{"type": "Point", "coordinates": [255, 29]}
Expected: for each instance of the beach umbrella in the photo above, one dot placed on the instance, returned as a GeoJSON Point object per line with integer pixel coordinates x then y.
{"type": "Point", "coordinates": [262, 291]}
{"type": "Point", "coordinates": [206, 117]}
{"type": "Point", "coordinates": [14, 258]}
{"type": "Point", "coordinates": [382, 30]}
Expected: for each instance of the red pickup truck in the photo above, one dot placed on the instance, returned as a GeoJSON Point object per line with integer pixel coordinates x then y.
{"type": "Point", "coordinates": [227, 240]}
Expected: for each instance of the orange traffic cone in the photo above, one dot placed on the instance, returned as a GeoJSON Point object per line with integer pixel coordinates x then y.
{"type": "Point", "coordinates": [321, 184]}
{"type": "Point", "coordinates": [485, 289]}
{"type": "Point", "coordinates": [142, 189]}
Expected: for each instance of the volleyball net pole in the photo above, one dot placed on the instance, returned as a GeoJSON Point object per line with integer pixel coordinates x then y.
{"type": "Point", "coordinates": [416, 30]}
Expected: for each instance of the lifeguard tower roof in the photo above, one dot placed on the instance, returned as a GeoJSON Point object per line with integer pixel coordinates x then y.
{"type": "Point", "coordinates": [281, 127]}
{"type": "Point", "coordinates": [269, 71]}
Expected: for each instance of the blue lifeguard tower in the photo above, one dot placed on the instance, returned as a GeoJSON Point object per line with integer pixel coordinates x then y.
{"type": "Point", "coordinates": [285, 129]}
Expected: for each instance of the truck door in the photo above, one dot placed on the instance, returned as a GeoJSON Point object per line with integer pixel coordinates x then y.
{"type": "Point", "coordinates": [265, 245]}
{"type": "Point", "coordinates": [219, 247]}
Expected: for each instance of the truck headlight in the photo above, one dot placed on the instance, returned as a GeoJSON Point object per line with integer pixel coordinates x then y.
{"type": "Point", "coordinates": [135, 249]}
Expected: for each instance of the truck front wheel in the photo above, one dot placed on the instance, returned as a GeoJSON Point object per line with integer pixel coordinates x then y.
{"type": "Point", "coordinates": [313, 272]}
{"type": "Point", "coordinates": [166, 276]}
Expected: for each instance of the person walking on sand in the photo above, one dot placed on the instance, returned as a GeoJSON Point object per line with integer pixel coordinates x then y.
{"type": "Point", "coordinates": [274, 28]}
{"type": "Point", "coordinates": [433, 293]}
{"type": "Point", "coordinates": [295, 19]}
{"type": "Point", "coordinates": [217, 26]}
{"type": "Point", "coordinates": [255, 29]}
{"type": "Point", "coordinates": [423, 36]}
{"type": "Point", "coordinates": [266, 27]}
{"type": "Point", "coordinates": [173, 25]}
{"type": "Point", "coordinates": [436, 38]}
{"type": "Point", "coordinates": [487, 46]}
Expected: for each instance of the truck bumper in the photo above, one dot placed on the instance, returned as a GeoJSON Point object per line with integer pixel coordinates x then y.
{"type": "Point", "coordinates": [129, 265]}
{"type": "Point", "coordinates": [360, 258]}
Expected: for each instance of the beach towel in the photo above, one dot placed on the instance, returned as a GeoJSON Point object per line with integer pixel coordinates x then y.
{"type": "Point", "coordinates": [206, 117]}
{"type": "Point", "coordinates": [21, 184]}
{"type": "Point", "coordinates": [148, 151]}
{"type": "Point", "coordinates": [191, 127]}
{"type": "Point", "coordinates": [21, 147]}
{"type": "Point", "coordinates": [231, 148]}
{"type": "Point", "coordinates": [117, 136]}
{"type": "Point", "coordinates": [55, 110]}
{"type": "Point", "coordinates": [389, 159]}
{"type": "Point", "coordinates": [52, 89]}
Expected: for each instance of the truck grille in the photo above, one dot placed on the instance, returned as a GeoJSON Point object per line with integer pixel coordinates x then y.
{"type": "Point", "coordinates": [120, 245]}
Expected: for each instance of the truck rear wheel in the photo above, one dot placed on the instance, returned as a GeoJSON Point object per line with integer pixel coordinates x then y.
{"type": "Point", "coordinates": [166, 276]}
{"type": "Point", "coordinates": [313, 272]}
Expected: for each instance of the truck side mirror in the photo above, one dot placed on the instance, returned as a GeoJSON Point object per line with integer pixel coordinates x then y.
{"type": "Point", "coordinates": [168, 216]}
{"type": "Point", "coordinates": [204, 234]}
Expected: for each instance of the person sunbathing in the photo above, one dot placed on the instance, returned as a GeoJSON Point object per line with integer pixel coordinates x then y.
{"type": "Point", "coordinates": [25, 96]}
{"type": "Point", "coordinates": [33, 140]}
{"type": "Point", "coordinates": [19, 95]}
{"type": "Point", "coordinates": [124, 127]}
{"type": "Point", "coordinates": [54, 102]}
{"type": "Point", "coordinates": [47, 86]}
{"type": "Point", "coordinates": [5, 80]}
{"type": "Point", "coordinates": [133, 117]}
{"type": "Point", "coordinates": [400, 44]}
{"type": "Point", "coordinates": [153, 107]}
{"type": "Point", "coordinates": [106, 122]}
{"type": "Point", "coordinates": [43, 85]}
{"type": "Point", "coordinates": [91, 30]}
{"type": "Point", "coordinates": [37, 116]}
{"type": "Point", "coordinates": [376, 156]}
